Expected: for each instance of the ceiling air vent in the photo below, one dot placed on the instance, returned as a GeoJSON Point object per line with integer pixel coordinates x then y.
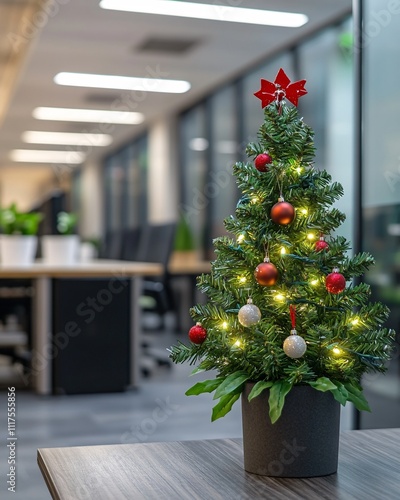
{"type": "Point", "coordinates": [101, 98]}
{"type": "Point", "coordinates": [167, 45]}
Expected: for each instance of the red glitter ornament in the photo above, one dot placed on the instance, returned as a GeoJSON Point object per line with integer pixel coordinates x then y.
{"type": "Point", "coordinates": [280, 89]}
{"type": "Point", "coordinates": [197, 334]}
{"type": "Point", "coordinates": [335, 282]}
{"type": "Point", "coordinates": [266, 274]}
{"type": "Point", "coordinates": [283, 213]}
{"type": "Point", "coordinates": [261, 161]}
{"type": "Point", "coordinates": [321, 245]}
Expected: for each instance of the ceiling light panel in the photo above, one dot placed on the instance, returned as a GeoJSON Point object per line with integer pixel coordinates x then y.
{"type": "Point", "coordinates": [122, 82]}
{"type": "Point", "coordinates": [212, 12]}
{"type": "Point", "coordinates": [67, 138]}
{"type": "Point", "coordinates": [38, 156]}
{"type": "Point", "coordinates": [88, 115]}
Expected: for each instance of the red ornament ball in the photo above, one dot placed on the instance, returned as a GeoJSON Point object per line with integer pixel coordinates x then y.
{"type": "Point", "coordinates": [283, 213]}
{"type": "Point", "coordinates": [266, 274]}
{"type": "Point", "coordinates": [335, 282]}
{"type": "Point", "coordinates": [321, 245]}
{"type": "Point", "coordinates": [197, 334]}
{"type": "Point", "coordinates": [261, 162]}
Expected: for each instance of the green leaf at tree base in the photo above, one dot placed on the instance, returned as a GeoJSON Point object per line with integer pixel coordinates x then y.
{"type": "Point", "coordinates": [276, 400]}
{"type": "Point", "coordinates": [224, 406]}
{"type": "Point", "coordinates": [323, 384]}
{"type": "Point", "coordinates": [357, 397]}
{"type": "Point", "coordinates": [258, 388]}
{"type": "Point", "coordinates": [231, 383]}
{"type": "Point", "coordinates": [203, 387]}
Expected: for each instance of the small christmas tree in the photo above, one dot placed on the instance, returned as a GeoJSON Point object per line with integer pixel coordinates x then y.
{"type": "Point", "coordinates": [282, 307]}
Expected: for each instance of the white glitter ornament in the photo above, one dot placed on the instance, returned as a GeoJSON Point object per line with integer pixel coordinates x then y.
{"type": "Point", "coordinates": [249, 314]}
{"type": "Point", "coordinates": [294, 345]}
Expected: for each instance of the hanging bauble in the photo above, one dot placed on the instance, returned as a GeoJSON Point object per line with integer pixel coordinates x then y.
{"type": "Point", "coordinates": [335, 282]}
{"type": "Point", "coordinates": [266, 274]}
{"type": "Point", "coordinates": [283, 213]}
{"type": "Point", "coordinates": [249, 314]}
{"type": "Point", "coordinates": [294, 345]}
{"type": "Point", "coordinates": [261, 161]}
{"type": "Point", "coordinates": [197, 334]}
{"type": "Point", "coordinates": [321, 245]}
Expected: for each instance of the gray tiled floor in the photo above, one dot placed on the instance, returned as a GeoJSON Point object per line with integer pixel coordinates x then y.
{"type": "Point", "coordinates": [81, 420]}
{"type": "Point", "coordinates": [44, 422]}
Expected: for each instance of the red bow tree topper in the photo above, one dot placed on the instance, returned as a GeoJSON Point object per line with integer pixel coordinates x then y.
{"type": "Point", "coordinates": [280, 89]}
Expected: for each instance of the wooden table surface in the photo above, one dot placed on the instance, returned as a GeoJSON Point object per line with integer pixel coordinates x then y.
{"type": "Point", "coordinates": [92, 269]}
{"type": "Point", "coordinates": [369, 468]}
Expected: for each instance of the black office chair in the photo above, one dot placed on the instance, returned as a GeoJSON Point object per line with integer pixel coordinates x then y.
{"type": "Point", "coordinates": [156, 245]}
{"type": "Point", "coordinates": [112, 245]}
{"type": "Point", "coordinates": [131, 243]}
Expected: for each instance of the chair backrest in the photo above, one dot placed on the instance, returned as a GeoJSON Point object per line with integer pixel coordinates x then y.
{"type": "Point", "coordinates": [131, 243]}
{"type": "Point", "coordinates": [156, 243]}
{"type": "Point", "coordinates": [112, 245]}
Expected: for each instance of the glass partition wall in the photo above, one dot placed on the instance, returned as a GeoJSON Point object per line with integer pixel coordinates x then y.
{"type": "Point", "coordinates": [213, 134]}
{"type": "Point", "coordinates": [125, 186]}
{"type": "Point", "coordinates": [377, 48]}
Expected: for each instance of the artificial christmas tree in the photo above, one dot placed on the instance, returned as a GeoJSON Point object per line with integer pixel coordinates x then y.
{"type": "Point", "coordinates": [284, 319]}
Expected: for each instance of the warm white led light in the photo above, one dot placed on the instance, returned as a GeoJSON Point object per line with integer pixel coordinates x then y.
{"type": "Point", "coordinates": [243, 279]}
{"type": "Point", "coordinates": [279, 296]}
{"type": "Point", "coordinates": [238, 344]}
{"type": "Point", "coordinates": [241, 238]}
{"type": "Point", "coordinates": [88, 115]}
{"type": "Point", "coordinates": [66, 138]}
{"type": "Point", "coordinates": [213, 12]}
{"type": "Point", "coordinates": [38, 156]}
{"type": "Point", "coordinates": [337, 351]}
{"type": "Point", "coordinates": [224, 325]}
{"type": "Point", "coordinates": [311, 236]}
{"type": "Point", "coordinates": [122, 82]}
{"type": "Point", "coordinates": [314, 282]}
{"type": "Point", "coordinates": [283, 251]}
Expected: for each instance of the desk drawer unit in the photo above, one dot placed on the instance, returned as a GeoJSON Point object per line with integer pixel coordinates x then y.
{"type": "Point", "coordinates": [91, 332]}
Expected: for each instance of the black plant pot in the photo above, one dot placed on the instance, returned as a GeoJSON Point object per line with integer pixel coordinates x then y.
{"type": "Point", "coordinates": [304, 442]}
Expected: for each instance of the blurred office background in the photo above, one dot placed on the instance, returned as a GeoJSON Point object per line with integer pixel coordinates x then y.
{"type": "Point", "coordinates": [176, 161]}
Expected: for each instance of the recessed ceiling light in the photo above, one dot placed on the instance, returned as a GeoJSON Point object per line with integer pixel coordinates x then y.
{"type": "Point", "coordinates": [67, 138]}
{"type": "Point", "coordinates": [88, 115]}
{"type": "Point", "coordinates": [213, 12]}
{"type": "Point", "coordinates": [122, 82]}
{"type": "Point", "coordinates": [37, 156]}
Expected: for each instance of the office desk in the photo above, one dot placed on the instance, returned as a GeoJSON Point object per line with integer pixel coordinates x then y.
{"type": "Point", "coordinates": [369, 464]}
{"type": "Point", "coordinates": [184, 267]}
{"type": "Point", "coordinates": [43, 274]}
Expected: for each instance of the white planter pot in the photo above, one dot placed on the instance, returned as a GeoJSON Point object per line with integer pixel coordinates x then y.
{"type": "Point", "coordinates": [17, 250]}
{"type": "Point", "coordinates": [60, 250]}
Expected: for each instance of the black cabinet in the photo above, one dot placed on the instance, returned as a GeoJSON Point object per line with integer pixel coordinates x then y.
{"type": "Point", "coordinates": [91, 335]}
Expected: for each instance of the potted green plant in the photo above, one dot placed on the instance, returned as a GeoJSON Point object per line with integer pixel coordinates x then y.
{"type": "Point", "coordinates": [62, 248]}
{"type": "Point", "coordinates": [184, 245]}
{"type": "Point", "coordinates": [18, 242]}
{"type": "Point", "coordinates": [285, 328]}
